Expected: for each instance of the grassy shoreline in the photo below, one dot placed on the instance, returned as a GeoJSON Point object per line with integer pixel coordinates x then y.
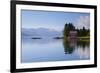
{"type": "Point", "coordinates": [84, 38]}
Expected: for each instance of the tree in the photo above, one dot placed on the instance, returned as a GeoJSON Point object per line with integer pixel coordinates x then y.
{"type": "Point", "coordinates": [80, 32]}
{"type": "Point", "coordinates": [71, 26]}
{"type": "Point", "coordinates": [83, 32]}
{"type": "Point", "coordinates": [67, 28]}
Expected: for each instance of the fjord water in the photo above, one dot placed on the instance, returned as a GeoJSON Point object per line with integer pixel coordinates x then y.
{"type": "Point", "coordinates": [47, 50]}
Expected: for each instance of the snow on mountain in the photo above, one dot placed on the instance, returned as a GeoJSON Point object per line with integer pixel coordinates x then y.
{"type": "Point", "coordinates": [40, 33]}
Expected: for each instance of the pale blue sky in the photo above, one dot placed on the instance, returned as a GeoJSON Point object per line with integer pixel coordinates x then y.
{"type": "Point", "coordinates": [51, 20]}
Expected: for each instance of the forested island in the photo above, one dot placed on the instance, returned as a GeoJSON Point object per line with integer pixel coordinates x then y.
{"type": "Point", "coordinates": [75, 33]}
{"type": "Point", "coordinates": [69, 32]}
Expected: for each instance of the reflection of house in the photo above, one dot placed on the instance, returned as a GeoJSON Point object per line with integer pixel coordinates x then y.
{"type": "Point", "coordinates": [72, 34]}
{"type": "Point", "coordinates": [72, 42]}
{"type": "Point", "coordinates": [69, 46]}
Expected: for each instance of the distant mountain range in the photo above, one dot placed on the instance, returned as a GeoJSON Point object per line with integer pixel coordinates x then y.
{"type": "Point", "coordinates": [40, 33]}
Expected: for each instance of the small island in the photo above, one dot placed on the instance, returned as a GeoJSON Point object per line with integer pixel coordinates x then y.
{"type": "Point", "coordinates": [70, 32]}
{"type": "Point", "coordinates": [36, 38]}
{"type": "Point", "coordinates": [58, 37]}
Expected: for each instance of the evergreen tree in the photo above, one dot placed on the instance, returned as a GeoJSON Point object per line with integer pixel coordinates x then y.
{"type": "Point", "coordinates": [80, 32]}
{"type": "Point", "coordinates": [66, 30]}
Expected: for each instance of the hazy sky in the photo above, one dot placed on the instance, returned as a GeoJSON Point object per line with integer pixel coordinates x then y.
{"type": "Point", "coordinates": [53, 20]}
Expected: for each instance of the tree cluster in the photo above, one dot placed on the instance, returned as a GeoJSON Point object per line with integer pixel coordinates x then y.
{"type": "Point", "coordinates": [80, 32]}
{"type": "Point", "coordinates": [83, 32]}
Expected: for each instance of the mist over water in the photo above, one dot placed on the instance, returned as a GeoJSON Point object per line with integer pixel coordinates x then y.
{"type": "Point", "coordinates": [44, 50]}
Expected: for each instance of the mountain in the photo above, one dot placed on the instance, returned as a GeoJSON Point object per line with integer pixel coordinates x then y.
{"type": "Point", "coordinates": [40, 33]}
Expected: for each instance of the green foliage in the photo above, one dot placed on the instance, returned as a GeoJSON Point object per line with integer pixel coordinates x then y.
{"type": "Point", "coordinates": [80, 32]}
{"type": "Point", "coordinates": [83, 32]}
{"type": "Point", "coordinates": [67, 48]}
{"type": "Point", "coordinates": [66, 30]}
{"type": "Point", "coordinates": [68, 27]}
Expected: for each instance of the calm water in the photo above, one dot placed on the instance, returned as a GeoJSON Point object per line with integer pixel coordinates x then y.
{"type": "Point", "coordinates": [43, 50]}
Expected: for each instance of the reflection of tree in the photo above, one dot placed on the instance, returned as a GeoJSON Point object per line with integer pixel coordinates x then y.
{"type": "Point", "coordinates": [71, 44]}
{"type": "Point", "coordinates": [68, 46]}
{"type": "Point", "coordinates": [83, 44]}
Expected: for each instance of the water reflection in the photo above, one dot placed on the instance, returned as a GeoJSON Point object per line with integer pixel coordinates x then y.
{"type": "Point", "coordinates": [43, 50]}
{"type": "Point", "coordinates": [69, 45]}
{"type": "Point", "coordinates": [80, 46]}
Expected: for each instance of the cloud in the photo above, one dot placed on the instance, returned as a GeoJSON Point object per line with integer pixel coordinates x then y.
{"type": "Point", "coordinates": [83, 21]}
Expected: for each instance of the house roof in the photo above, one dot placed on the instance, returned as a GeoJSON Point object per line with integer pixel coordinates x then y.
{"type": "Point", "coordinates": [73, 32]}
